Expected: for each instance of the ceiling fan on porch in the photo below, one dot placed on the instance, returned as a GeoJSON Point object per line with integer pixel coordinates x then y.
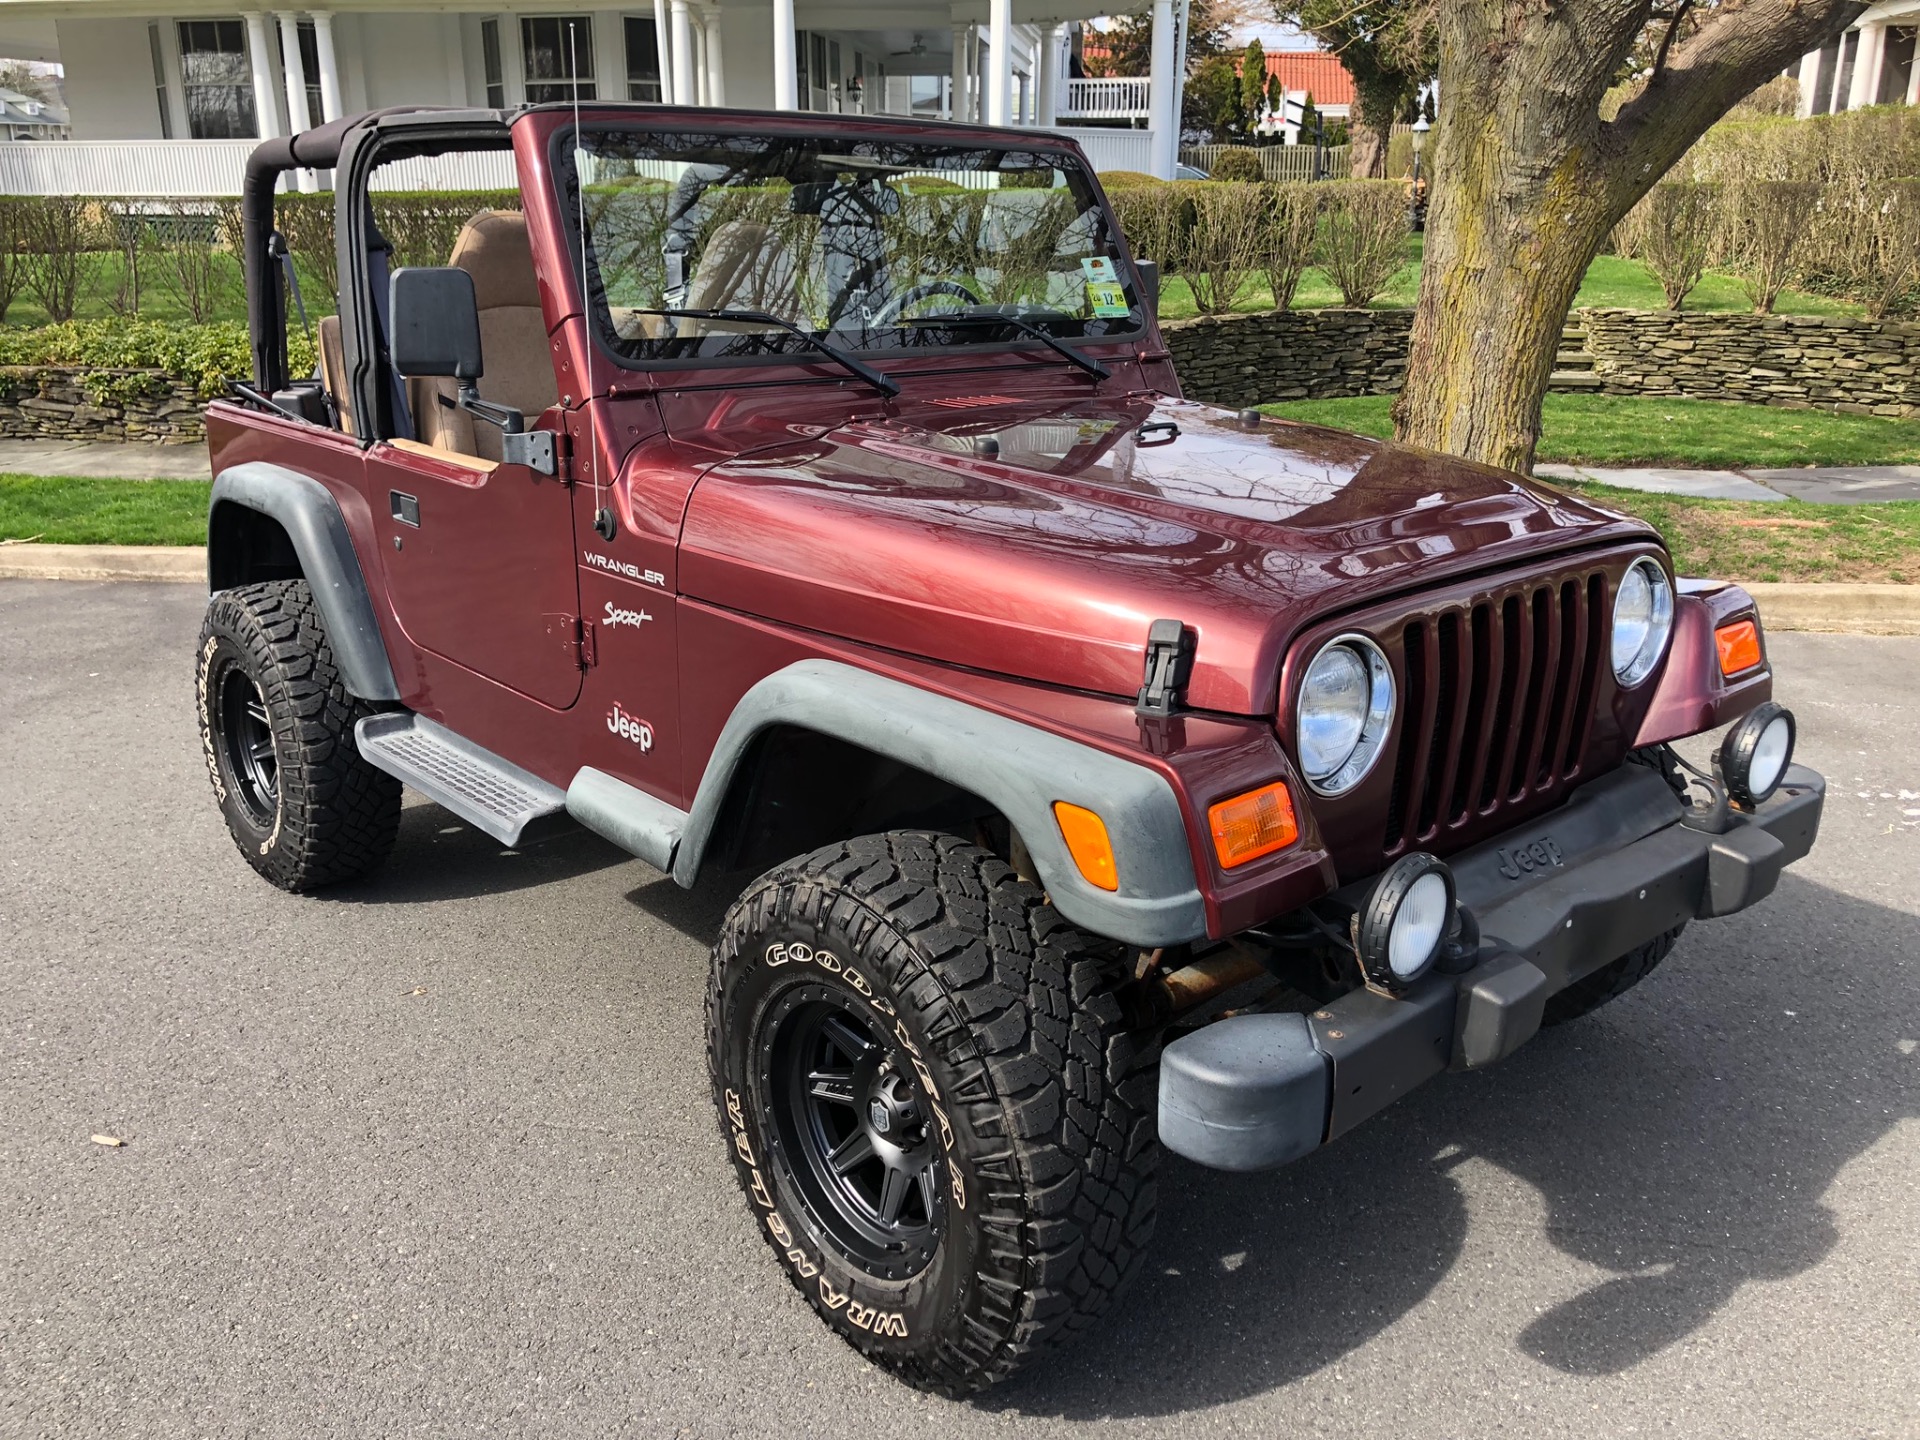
{"type": "Point", "coordinates": [919, 47]}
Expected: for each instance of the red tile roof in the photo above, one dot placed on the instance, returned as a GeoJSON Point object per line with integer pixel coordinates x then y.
{"type": "Point", "coordinates": [1318, 71]}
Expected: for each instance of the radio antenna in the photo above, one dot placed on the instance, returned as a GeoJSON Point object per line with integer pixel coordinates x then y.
{"type": "Point", "coordinates": [603, 521]}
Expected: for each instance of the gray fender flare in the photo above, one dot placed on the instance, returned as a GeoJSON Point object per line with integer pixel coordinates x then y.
{"type": "Point", "coordinates": [1020, 769]}
{"type": "Point", "coordinates": [307, 511]}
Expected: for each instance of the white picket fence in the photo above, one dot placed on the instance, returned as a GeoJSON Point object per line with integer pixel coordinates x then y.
{"type": "Point", "coordinates": [1280, 162]}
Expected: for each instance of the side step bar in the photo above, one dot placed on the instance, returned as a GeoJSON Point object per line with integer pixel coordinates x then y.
{"type": "Point", "coordinates": [489, 793]}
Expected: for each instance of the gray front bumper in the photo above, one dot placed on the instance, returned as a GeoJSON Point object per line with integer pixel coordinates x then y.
{"type": "Point", "coordinates": [1556, 898]}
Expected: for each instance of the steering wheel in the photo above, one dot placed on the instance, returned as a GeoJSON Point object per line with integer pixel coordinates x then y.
{"type": "Point", "coordinates": [926, 290]}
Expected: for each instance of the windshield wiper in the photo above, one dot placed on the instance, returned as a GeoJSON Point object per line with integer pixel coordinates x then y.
{"type": "Point", "coordinates": [884, 384]}
{"type": "Point", "coordinates": [963, 317]}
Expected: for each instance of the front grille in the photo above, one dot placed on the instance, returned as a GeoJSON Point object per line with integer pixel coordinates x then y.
{"type": "Point", "coordinates": [1497, 699]}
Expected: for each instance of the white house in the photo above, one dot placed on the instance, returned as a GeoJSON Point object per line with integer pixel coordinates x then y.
{"type": "Point", "coordinates": [1872, 63]}
{"type": "Point", "coordinates": [169, 104]}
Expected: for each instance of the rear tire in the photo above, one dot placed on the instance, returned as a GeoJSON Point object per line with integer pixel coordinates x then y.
{"type": "Point", "coordinates": [942, 1126]}
{"type": "Point", "coordinates": [276, 725]}
{"type": "Point", "coordinates": [1610, 981]}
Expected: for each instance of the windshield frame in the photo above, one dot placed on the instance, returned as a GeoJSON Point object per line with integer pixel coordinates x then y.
{"type": "Point", "coordinates": [594, 311]}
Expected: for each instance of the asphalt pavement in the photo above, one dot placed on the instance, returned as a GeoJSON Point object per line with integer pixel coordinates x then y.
{"type": "Point", "coordinates": [434, 1155]}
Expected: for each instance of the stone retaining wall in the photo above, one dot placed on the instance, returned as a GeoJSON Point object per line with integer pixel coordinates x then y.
{"type": "Point", "coordinates": [1242, 360]}
{"type": "Point", "coordinates": [1863, 367]}
{"type": "Point", "coordinates": [45, 403]}
{"type": "Point", "coordinates": [1809, 361]}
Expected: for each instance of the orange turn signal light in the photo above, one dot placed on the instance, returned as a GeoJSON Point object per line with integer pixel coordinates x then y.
{"type": "Point", "coordinates": [1739, 646]}
{"type": "Point", "coordinates": [1086, 837]}
{"type": "Point", "coordinates": [1254, 824]}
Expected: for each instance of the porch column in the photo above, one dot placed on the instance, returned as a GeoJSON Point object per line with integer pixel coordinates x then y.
{"type": "Point", "coordinates": [1809, 77]}
{"type": "Point", "coordinates": [957, 105]}
{"type": "Point", "coordinates": [1866, 66]}
{"type": "Point", "coordinates": [684, 92]}
{"type": "Point", "coordinates": [266, 108]}
{"type": "Point", "coordinates": [699, 36]}
{"type": "Point", "coordinates": [786, 74]}
{"type": "Point", "coordinates": [293, 71]}
{"type": "Point", "coordinates": [1160, 60]}
{"type": "Point", "coordinates": [329, 66]}
{"type": "Point", "coordinates": [716, 58]}
{"type": "Point", "coordinates": [1913, 80]}
{"type": "Point", "coordinates": [664, 52]}
{"type": "Point", "coordinates": [1048, 105]}
{"type": "Point", "coordinates": [1000, 80]}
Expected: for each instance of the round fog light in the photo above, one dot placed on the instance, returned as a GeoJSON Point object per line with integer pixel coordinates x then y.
{"type": "Point", "coordinates": [1405, 921]}
{"type": "Point", "coordinates": [1755, 755]}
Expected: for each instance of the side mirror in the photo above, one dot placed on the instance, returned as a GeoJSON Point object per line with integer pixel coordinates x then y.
{"type": "Point", "coordinates": [436, 323]}
{"type": "Point", "coordinates": [1147, 272]}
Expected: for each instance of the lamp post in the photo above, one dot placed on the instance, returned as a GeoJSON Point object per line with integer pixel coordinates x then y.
{"type": "Point", "coordinates": [1414, 199]}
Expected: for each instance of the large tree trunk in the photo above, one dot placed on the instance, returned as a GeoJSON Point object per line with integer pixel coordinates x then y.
{"type": "Point", "coordinates": [1527, 181]}
{"type": "Point", "coordinates": [1369, 150]}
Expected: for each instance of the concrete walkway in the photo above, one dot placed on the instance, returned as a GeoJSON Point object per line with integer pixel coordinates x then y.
{"type": "Point", "coordinates": [1842, 485]}
{"type": "Point", "coordinates": [1822, 484]}
{"type": "Point", "coordinates": [103, 459]}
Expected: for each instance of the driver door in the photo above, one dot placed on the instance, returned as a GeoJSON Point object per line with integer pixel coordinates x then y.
{"type": "Point", "coordinates": [480, 565]}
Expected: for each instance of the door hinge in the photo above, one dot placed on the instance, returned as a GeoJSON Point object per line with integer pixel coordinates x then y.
{"type": "Point", "coordinates": [589, 657]}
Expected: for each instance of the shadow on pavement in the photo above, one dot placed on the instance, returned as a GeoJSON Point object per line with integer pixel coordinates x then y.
{"type": "Point", "coordinates": [439, 857]}
{"type": "Point", "coordinates": [1680, 1141]}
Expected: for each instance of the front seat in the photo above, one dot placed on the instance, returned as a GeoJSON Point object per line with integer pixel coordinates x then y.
{"type": "Point", "coordinates": [493, 249]}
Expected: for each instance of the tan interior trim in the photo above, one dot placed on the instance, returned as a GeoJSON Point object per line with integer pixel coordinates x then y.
{"type": "Point", "coordinates": [451, 457]}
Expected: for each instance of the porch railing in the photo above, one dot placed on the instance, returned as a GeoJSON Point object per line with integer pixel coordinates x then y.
{"type": "Point", "coordinates": [1104, 99]}
{"type": "Point", "coordinates": [193, 169]}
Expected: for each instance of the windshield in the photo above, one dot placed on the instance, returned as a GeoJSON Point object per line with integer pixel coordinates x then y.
{"type": "Point", "coordinates": [865, 244]}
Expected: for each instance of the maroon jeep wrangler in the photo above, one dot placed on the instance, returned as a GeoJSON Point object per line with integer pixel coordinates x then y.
{"type": "Point", "coordinates": [815, 493]}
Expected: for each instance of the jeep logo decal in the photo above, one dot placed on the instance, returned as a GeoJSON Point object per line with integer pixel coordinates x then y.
{"type": "Point", "coordinates": [1525, 859]}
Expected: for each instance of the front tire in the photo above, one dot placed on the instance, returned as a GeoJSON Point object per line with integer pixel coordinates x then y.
{"type": "Point", "coordinates": [1610, 981]}
{"type": "Point", "coordinates": [276, 725]}
{"type": "Point", "coordinates": [940, 1121]}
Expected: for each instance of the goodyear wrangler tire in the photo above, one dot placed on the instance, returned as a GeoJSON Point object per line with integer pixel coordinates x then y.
{"type": "Point", "coordinates": [942, 1126]}
{"type": "Point", "coordinates": [276, 726]}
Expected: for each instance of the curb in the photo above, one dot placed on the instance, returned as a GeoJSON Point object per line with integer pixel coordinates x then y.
{"type": "Point", "coordinates": [104, 562]}
{"type": "Point", "coordinates": [1842, 609]}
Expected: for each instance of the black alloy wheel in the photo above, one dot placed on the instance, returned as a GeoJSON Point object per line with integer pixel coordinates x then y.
{"type": "Point", "coordinates": [246, 743]}
{"type": "Point", "coordinates": [846, 1106]}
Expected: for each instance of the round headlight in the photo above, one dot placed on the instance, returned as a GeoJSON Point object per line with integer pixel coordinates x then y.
{"type": "Point", "coordinates": [1346, 707]}
{"type": "Point", "coordinates": [1756, 752]}
{"type": "Point", "coordinates": [1642, 621]}
{"type": "Point", "coordinates": [1405, 921]}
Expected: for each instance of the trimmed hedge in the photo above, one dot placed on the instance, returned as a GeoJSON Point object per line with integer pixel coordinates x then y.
{"type": "Point", "coordinates": [121, 359]}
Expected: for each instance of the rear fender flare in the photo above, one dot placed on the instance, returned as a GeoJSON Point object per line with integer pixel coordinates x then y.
{"type": "Point", "coordinates": [1018, 768]}
{"type": "Point", "coordinates": [306, 510]}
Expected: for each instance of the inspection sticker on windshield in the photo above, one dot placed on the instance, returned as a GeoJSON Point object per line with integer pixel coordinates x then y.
{"type": "Point", "coordinates": [1098, 268]}
{"type": "Point", "coordinates": [1106, 297]}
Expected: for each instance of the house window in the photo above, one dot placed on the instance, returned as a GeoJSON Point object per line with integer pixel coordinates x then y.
{"type": "Point", "coordinates": [559, 58]}
{"type": "Point", "coordinates": [160, 82]}
{"type": "Point", "coordinates": [490, 63]}
{"type": "Point", "coordinates": [215, 80]}
{"type": "Point", "coordinates": [802, 50]}
{"type": "Point", "coordinates": [643, 60]}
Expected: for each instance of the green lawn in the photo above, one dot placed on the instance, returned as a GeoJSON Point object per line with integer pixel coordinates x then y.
{"type": "Point", "coordinates": [1629, 430]}
{"type": "Point", "coordinates": [1744, 541]}
{"type": "Point", "coordinates": [1611, 283]}
{"type": "Point", "coordinates": [70, 510]}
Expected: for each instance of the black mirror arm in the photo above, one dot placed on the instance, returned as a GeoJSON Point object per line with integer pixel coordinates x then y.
{"type": "Point", "coordinates": [510, 420]}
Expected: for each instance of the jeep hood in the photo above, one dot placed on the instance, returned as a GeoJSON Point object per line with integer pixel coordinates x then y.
{"type": "Point", "coordinates": [1041, 541]}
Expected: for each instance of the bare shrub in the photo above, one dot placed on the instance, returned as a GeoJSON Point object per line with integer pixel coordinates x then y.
{"type": "Point", "coordinates": [130, 231]}
{"type": "Point", "coordinates": [1766, 225]}
{"type": "Point", "coordinates": [1292, 219]}
{"type": "Point", "coordinates": [305, 222]}
{"type": "Point", "coordinates": [63, 247]}
{"type": "Point", "coordinates": [1363, 237]}
{"type": "Point", "coordinates": [1156, 219]}
{"type": "Point", "coordinates": [12, 268]}
{"type": "Point", "coordinates": [198, 263]}
{"type": "Point", "coordinates": [1673, 231]}
{"type": "Point", "coordinates": [1226, 244]}
{"type": "Point", "coordinates": [1871, 245]}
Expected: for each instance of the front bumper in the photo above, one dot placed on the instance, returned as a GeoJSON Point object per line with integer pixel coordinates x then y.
{"type": "Point", "coordinates": [1556, 898]}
